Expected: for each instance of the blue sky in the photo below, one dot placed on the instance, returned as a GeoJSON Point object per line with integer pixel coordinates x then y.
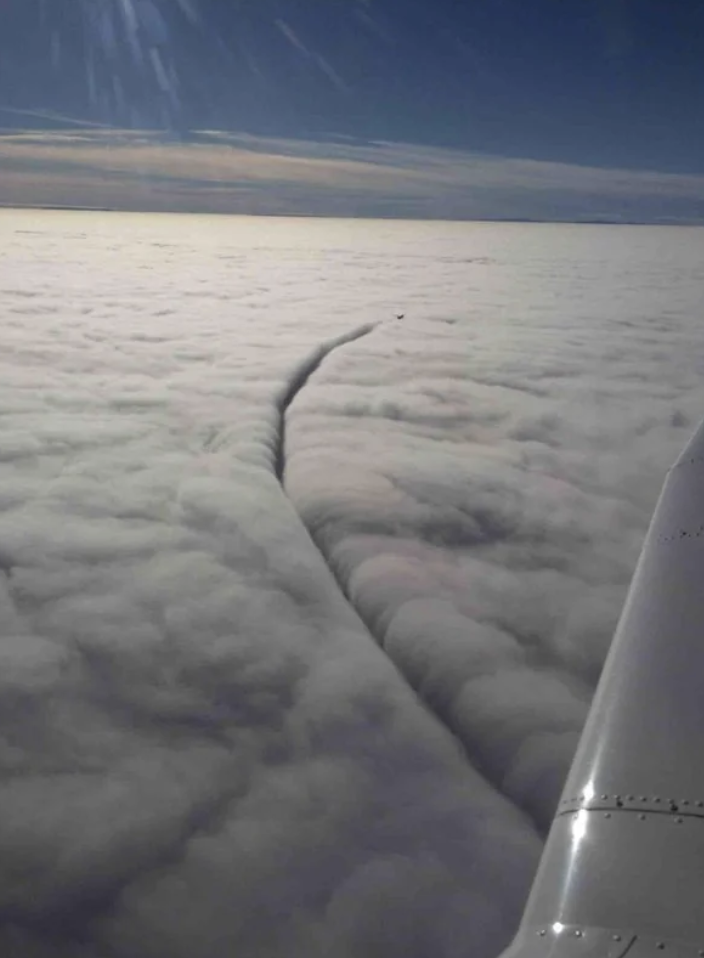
{"type": "Point", "coordinates": [599, 83]}
{"type": "Point", "coordinates": [614, 83]}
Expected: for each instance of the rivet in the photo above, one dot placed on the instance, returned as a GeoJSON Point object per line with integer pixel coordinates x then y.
{"type": "Point", "coordinates": [542, 932]}
{"type": "Point", "coordinates": [685, 801]}
{"type": "Point", "coordinates": [656, 800]}
{"type": "Point", "coordinates": [578, 934]}
{"type": "Point", "coordinates": [604, 797]}
{"type": "Point", "coordinates": [642, 817]}
{"type": "Point", "coordinates": [661, 945]}
{"type": "Point", "coordinates": [700, 804]}
{"type": "Point", "coordinates": [607, 815]}
{"type": "Point", "coordinates": [643, 798]}
{"type": "Point", "coordinates": [678, 821]}
{"type": "Point", "coordinates": [631, 798]}
{"type": "Point", "coordinates": [617, 938]}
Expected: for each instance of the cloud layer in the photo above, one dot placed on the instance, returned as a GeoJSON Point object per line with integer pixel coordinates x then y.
{"type": "Point", "coordinates": [480, 479]}
{"type": "Point", "coordinates": [215, 172]}
{"type": "Point", "coordinates": [329, 716]}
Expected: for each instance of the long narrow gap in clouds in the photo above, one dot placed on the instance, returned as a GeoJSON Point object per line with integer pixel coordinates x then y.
{"type": "Point", "coordinates": [433, 704]}
{"type": "Point", "coordinates": [298, 380]}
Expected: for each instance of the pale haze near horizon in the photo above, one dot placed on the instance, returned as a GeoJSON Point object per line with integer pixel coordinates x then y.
{"type": "Point", "coordinates": [330, 715]}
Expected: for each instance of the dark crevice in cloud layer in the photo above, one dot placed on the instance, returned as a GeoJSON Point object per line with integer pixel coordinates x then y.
{"type": "Point", "coordinates": [482, 757]}
{"type": "Point", "coordinates": [296, 384]}
{"type": "Point", "coordinates": [298, 381]}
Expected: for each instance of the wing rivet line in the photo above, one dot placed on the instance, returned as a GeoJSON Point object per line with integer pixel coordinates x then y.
{"type": "Point", "coordinates": [682, 534]}
{"type": "Point", "coordinates": [647, 945]}
{"type": "Point", "coordinates": [683, 808]}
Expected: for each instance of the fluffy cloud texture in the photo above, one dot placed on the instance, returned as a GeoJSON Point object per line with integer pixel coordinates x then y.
{"type": "Point", "coordinates": [216, 172]}
{"type": "Point", "coordinates": [302, 605]}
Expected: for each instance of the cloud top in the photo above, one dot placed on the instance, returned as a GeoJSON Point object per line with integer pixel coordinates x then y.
{"type": "Point", "coordinates": [325, 708]}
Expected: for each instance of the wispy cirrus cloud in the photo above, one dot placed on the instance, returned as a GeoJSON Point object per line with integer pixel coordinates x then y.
{"type": "Point", "coordinates": [211, 171]}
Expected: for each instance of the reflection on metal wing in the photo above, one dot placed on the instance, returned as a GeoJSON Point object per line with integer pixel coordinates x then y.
{"type": "Point", "coordinates": [623, 866]}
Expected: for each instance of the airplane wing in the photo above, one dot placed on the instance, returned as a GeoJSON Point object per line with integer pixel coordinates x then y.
{"type": "Point", "coordinates": [623, 867]}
